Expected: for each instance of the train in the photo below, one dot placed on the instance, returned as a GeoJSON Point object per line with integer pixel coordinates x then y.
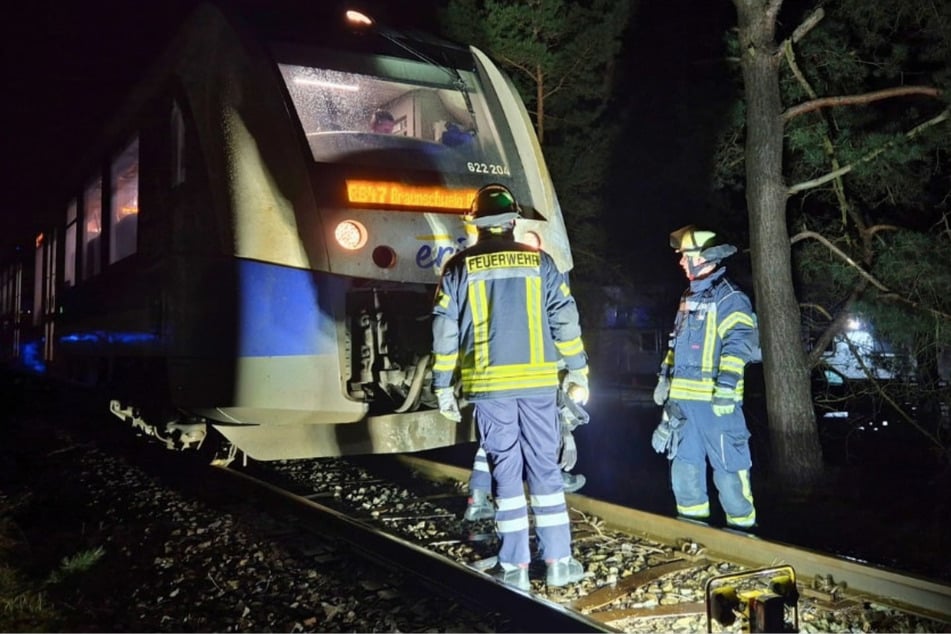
{"type": "Point", "coordinates": [239, 254]}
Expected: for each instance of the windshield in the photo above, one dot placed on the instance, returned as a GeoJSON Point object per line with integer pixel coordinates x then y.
{"type": "Point", "coordinates": [383, 111]}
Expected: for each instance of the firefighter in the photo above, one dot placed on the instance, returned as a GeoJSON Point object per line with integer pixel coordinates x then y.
{"type": "Point", "coordinates": [503, 317]}
{"type": "Point", "coordinates": [570, 415]}
{"type": "Point", "coordinates": [480, 506]}
{"type": "Point", "coordinates": [700, 384]}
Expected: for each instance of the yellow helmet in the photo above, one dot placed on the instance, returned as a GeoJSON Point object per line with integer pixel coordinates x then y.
{"type": "Point", "coordinates": [700, 242]}
{"type": "Point", "coordinates": [690, 238]}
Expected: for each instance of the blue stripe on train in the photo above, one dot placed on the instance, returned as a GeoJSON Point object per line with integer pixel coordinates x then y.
{"type": "Point", "coordinates": [280, 312]}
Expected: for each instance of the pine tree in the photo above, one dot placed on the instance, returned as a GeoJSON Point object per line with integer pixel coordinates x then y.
{"type": "Point", "coordinates": [846, 143]}
{"type": "Point", "coordinates": [561, 55]}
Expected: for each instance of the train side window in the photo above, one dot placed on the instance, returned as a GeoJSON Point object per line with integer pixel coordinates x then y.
{"type": "Point", "coordinates": [124, 203]}
{"type": "Point", "coordinates": [4, 293]}
{"type": "Point", "coordinates": [38, 269]}
{"type": "Point", "coordinates": [177, 129]}
{"type": "Point", "coordinates": [11, 296]}
{"type": "Point", "coordinates": [92, 229]}
{"type": "Point", "coordinates": [44, 283]}
{"type": "Point", "coordinates": [69, 266]}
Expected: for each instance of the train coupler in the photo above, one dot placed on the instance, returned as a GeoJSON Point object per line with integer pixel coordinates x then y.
{"type": "Point", "coordinates": [761, 605]}
{"type": "Point", "coordinates": [225, 454]}
{"type": "Point", "coordinates": [175, 435]}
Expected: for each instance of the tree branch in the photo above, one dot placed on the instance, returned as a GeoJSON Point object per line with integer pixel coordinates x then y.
{"type": "Point", "coordinates": [802, 235]}
{"type": "Point", "coordinates": [835, 326]}
{"type": "Point", "coordinates": [828, 146]}
{"type": "Point", "coordinates": [508, 61]}
{"type": "Point", "coordinates": [807, 25]}
{"type": "Point", "coordinates": [890, 294]}
{"type": "Point", "coordinates": [798, 187]}
{"type": "Point", "coordinates": [818, 308]}
{"type": "Point", "coordinates": [796, 71]}
{"type": "Point", "coordinates": [876, 228]}
{"type": "Point", "coordinates": [851, 100]}
{"type": "Point", "coordinates": [571, 71]}
{"type": "Point", "coordinates": [873, 380]}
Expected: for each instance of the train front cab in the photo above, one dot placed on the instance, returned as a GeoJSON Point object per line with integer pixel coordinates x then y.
{"type": "Point", "coordinates": [390, 207]}
{"type": "Point", "coordinates": [357, 224]}
{"type": "Point", "coordinates": [241, 293]}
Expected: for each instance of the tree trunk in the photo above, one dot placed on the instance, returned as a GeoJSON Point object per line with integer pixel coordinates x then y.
{"type": "Point", "coordinates": [796, 457]}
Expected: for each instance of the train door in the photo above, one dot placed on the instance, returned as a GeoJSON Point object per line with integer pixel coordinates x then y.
{"type": "Point", "coordinates": [11, 297]}
{"type": "Point", "coordinates": [44, 291]}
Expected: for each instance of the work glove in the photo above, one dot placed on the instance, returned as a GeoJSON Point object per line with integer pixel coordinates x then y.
{"type": "Point", "coordinates": [724, 400]}
{"type": "Point", "coordinates": [660, 440]}
{"type": "Point", "coordinates": [666, 438]}
{"type": "Point", "coordinates": [570, 413]}
{"type": "Point", "coordinates": [448, 405]}
{"type": "Point", "coordinates": [569, 451]}
{"type": "Point", "coordinates": [674, 440]}
{"type": "Point", "coordinates": [668, 433]}
{"type": "Point", "coordinates": [662, 390]}
{"type": "Point", "coordinates": [576, 385]}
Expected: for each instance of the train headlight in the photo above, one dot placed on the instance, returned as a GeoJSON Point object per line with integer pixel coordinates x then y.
{"type": "Point", "coordinates": [350, 234]}
{"type": "Point", "coordinates": [358, 19]}
{"type": "Point", "coordinates": [532, 239]}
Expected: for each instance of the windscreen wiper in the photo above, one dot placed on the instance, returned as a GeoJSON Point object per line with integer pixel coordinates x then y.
{"type": "Point", "coordinates": [361, 20]}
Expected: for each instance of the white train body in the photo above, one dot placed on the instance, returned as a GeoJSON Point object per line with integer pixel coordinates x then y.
{"type": "Point", "coordinates": [259, 261]}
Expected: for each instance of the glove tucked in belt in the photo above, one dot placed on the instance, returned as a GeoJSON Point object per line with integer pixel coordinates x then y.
{"type": "Point", "coordinates": [660, 439]}
{"type": "Point", "coordinates": [667, 435]}
{"type": "Point", "coordinates": [569, 451]}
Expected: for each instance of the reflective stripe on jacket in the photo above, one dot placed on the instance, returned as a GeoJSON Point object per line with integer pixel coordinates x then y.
{"type": "Point", "coordinates": [504, 316]}
{"type": "Point", "coordinates": [712, 339]}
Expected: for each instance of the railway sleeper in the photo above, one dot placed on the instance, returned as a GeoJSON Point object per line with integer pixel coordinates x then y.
{"type": "Point", "coordinates": [690, 608]}
{"type": "Point", "coordinates": [829, 601]}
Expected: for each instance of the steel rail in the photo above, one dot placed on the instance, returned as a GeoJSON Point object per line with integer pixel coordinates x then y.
{"type": "Point", "coordinates": [908, 593]}
{"type": "Point", "coordinates": [530, 612]}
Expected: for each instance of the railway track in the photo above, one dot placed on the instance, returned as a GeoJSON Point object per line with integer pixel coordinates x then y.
{"type": "Point", "coordinates": [644, 572]}
{"type": "Point", "coordinates": [442, 574]}
{"type": "Point", "coordinates": [828, 583]}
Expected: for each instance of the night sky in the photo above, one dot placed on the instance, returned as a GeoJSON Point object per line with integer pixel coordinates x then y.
{"type": "Point", "coordinates": [66, 63]}
{"type": "Point", "coordinates": [673, 86]}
